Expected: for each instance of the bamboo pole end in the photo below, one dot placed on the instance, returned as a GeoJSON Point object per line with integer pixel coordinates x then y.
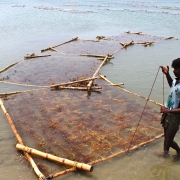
{"type": "Point", "coordinates": [91, 169]}
{"type": "Point", "coordinates": [1, 102]}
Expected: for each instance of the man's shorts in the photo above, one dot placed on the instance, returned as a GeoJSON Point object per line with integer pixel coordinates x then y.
{"type": "Point", "coordinates": [171, 121]}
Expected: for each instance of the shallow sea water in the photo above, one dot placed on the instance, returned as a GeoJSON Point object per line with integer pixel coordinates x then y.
{"type": "Point", "coordinates": [27, 29]}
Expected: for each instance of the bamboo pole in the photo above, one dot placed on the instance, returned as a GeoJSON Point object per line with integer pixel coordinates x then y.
{"type": "Point", "coordinates": [104, 77]}
{"type": "Point", "coordinates": [68, 162]}
{"type": "Point", "coordinates": [101, 37]}
{"type": "Point", "coordinates": [157, 103]}
{"type": "Point", "coordinates": [33, 164]}
{"type": "Point", "coordinates": [149, 42]}
{"type": "Point", "coordinates": [78, 88]}
{"type": "Point", "coordinates": [61, 173]}
{"type": "Point", "coordinates": [74, 39]}
{"type": "Point", "coordinates": [130, 149]}
{"type": "Point", "coordinates": [90, 83]}
{"type": "Point", "coordinates": [73, 82]}
{"type": "Point", "coordinates": [53, 49]}
{"type": "Point", "coordinates": [128, 32]}
{"type": "Point", "coordinates": [138, 33]}
{"type": "Point", "coordinates": [10, 93]}
{"type": "Point", "coordinates": [150, 100]}
{"type": "Point", "coordinates": [126, 44]}
{"type": "Point", "coordinates": [92, 40]}
{"type": "Point", "coordinates": [35, 56]}
{"type": "Point", "coordinates": [132, 42]}
{"type": "Point", "coordinates": [109, 157]}
{"type": "Point", "coordinates": [98, 56]}
{"type": "Point", "coordinates": [171, 37]}
{"type": "Point", "coordinates": [9, 67]}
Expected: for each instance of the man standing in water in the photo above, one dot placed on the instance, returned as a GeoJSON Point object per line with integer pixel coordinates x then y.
{"type": "Point", "coordinates": [171, 111]}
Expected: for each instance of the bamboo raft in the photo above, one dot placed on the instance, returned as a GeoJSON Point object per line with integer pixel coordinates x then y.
{"type": "Point", "coordinates": [85, 131]}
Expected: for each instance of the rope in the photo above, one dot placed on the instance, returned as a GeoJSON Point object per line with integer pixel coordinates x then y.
{"type": "Point", "coordinates": [143, 110]}
{"type": "Point", "coordinates": [163, 88]}
{"type": "Point", "coordinates": [19, 84]}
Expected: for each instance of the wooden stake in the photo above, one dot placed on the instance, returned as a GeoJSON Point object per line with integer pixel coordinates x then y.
{"type": "Point", "coordinates": [74, 39]}
{"type": "Point", "coordinates": [68, 162]}
{"type": "Point", "coordinates": [33, 164]}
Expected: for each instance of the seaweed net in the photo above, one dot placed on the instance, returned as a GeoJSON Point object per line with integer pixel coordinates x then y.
{"type": "Point", "coordinates": [83, 126]}
{"type": "Point", "coordinates": [68, 124]}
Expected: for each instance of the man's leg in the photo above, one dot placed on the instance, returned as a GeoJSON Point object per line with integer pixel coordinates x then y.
{"type": "Point", "coordinates": [168, 141]}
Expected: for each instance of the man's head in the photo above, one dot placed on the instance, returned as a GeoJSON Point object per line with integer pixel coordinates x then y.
{"type": "Point", "coordinates": [176, 65]}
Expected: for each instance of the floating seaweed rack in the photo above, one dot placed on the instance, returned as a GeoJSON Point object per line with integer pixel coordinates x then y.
{"type": "Point", "coordinates": [71, 117]}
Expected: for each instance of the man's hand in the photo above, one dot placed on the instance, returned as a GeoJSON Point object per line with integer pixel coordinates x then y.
{"type": "Point", "coordinates": [165, 70]}
{"type": "Point", "coordinates": [164, 110]}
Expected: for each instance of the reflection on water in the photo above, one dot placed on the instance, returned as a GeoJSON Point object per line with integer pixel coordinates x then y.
{"type": "Point", "coordinates": [162, 170]}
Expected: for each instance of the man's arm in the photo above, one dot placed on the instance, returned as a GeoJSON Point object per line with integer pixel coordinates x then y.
{"type": "Point", "coordinates": [173, 111]}
{"type": "Point", "coordinates": [165, 70]}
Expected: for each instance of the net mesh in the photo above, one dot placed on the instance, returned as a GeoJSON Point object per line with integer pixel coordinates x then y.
{"type": "Point", "coordinates": [68, 124]}
{"type": "Point", "coordinates": [77, 125]}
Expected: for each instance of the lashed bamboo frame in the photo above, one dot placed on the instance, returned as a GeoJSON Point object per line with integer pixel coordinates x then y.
{"type": "Point", "coordinates": [96, 161]}
{"type": "Point", "coordinates": [109, 157]}
{"type": "Point", "coordinates": [68, 162]}
{"type": "Point", "coordinates": [38, 173]}
{"type": "Point", "coordinates": [72, 82]}
{"type": "Point", "coordinates": [19, 139]}
{"type": "Point", "coordinates": [75, 165]}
